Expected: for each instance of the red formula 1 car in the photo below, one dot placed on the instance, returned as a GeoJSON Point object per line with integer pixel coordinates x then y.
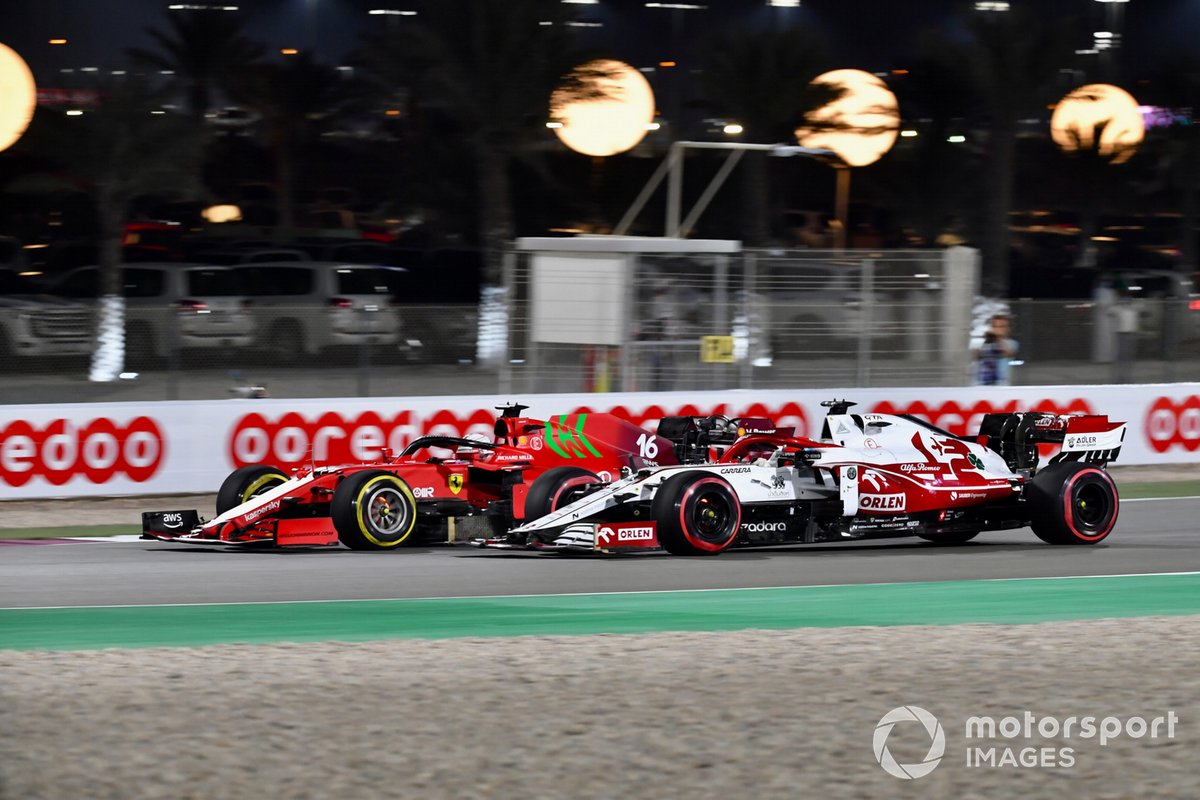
{"type": "Point", "coordinates": [530, 467]}
{"type": "Point", "coordinates": [867, 476]}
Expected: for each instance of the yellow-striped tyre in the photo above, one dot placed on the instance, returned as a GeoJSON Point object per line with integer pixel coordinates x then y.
{"type": "Point", "coordinates": [246, 482]}
{"type": "Point", "coordinates": [374, 510]}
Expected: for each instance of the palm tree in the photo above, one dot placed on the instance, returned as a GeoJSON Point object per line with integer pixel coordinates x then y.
{"type": "Point", "coordinates": [487, 68]}
{"type": "Point", "coordinates": [294, 101]}
{"type": "Point", "coordinates": [125, 147]}
{"type": "Point", "coordinates": [763, 81]}
{"type": "Point", "coordinates": [1010, 60]}
{"type": "Point", "coordinates": [204, 50]}
{"type": "Point", "coordinates": [925, 182]}
{"type": "Point", "coordinates": [1178, 86]}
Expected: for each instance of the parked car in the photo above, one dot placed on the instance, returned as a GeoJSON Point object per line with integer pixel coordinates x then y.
{"type": "Point", "coordinates": [36, 324]}
{"type": "Point", "coordinates": [303, 307]}
{"type": "Point", "coordinates": [171, 306]}
{"type": "Point", "coordinates": [230, 256]}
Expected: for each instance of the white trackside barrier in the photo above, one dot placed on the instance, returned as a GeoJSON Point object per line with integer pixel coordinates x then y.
{"type": "Point", "coordinates": [102, 449]}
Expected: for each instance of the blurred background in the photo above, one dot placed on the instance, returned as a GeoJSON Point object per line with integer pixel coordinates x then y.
{"type": "Point", "coordinates": [327, 197]}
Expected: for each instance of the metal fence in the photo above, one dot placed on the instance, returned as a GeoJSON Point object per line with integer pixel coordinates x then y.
{"type": "Point", "coordinates": [744, 320]}
{"type": "Point", "coordinates": [754, 319]}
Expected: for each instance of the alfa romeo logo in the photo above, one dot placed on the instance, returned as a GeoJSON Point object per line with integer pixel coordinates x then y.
{"type": "Point", "coordinates": [933, 729]}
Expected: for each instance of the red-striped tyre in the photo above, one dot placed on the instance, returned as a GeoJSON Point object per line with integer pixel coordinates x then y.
{"type": "Point", "coordinates": [555, 488]}
{"type": "Point", "coordinates": [1072, 503]}
{"type": "Point", "coordinates": [696, 514]}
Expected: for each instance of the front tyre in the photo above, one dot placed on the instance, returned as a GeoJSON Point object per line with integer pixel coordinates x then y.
{"type": "Point", "coordinates": [247, 482]}
{"type": "Point", "coordinates": [696, 514]}
{"type": "Point", "coordinates": [373, 510]}
{"type": "Point", "coordinates": [555, 488]}
{"type": "Point", "coordinates": [1072, 503]}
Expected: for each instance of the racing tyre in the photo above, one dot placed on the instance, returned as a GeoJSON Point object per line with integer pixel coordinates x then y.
{"type": "Point", "coordinates": [555, 488]}
{"type": "Point", "coordinates": [696, 514]}
{"type": "Point", "coordinates": [246, 482]}
{"type": "Point", "coordinates": [374, 510]}
{"type": "Point", "coordinates": [1072, 503]}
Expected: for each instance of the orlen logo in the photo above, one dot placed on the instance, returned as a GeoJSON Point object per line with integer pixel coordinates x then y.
{"type": "Point", "coordinates": [99, 450]}
{"type": "Point", "coordinates": [881, 502]}
{"type": "Point", "coordinates": [607, 535]}
{"type": "Point", "coordinates": [294, 440]}
{"type": "Point", "coordinates": [1170, 423]}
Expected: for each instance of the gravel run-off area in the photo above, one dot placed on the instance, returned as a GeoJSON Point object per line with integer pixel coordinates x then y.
{"type": "Point", "coordinates": [750, 714]}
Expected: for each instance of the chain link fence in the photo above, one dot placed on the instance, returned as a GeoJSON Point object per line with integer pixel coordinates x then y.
{"type": "Point", "coordinates": [665, 321]}
{"type": "Point", "coordinates": [739, 320]}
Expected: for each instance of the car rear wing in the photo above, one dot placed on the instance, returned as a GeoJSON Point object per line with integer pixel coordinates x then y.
{"type": "Point", "coordinates": [1083, 437]}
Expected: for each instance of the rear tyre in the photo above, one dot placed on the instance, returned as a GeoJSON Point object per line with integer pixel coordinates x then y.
{"type": "Point", "coordinates": [246, 482]}
{"type": "Point", "coordinates": [374, 510]}
{"type": "Point", "coordinates": [555, 488]}
{"type": "Point", "coordinates": [696, 514]}
{"type": "Point", "coordinates": [1072, 503]}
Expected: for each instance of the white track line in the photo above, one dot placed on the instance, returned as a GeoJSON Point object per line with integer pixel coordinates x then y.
{"type": "Point", "coordinates": [601, 594]}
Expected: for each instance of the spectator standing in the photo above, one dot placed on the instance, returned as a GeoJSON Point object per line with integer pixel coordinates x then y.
{"type": "Point", "coordinates": [993, 358]}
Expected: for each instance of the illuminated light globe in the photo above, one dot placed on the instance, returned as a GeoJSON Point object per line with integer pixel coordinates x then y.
{"type": "Point", "coordinates": [613, 119]}
{"type": "Point", "coordinates": [1098, 107]}
{"type": "Point", "coordinates": [18, 96]}
{"type": "Point", "coordinates": [222, 213]}
{"type": "Point", "coordinates": [860, 125]}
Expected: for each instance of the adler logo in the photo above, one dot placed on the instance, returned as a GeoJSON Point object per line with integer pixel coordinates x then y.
{"type": "Point", "coordinates": [763, 527]}
{"type": "Point", "coordinates": [882, 502]}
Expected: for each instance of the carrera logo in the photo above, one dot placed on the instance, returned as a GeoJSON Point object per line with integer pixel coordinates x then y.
{"type": "Point", "coordinates": [1173, 423]}
{"type": "Point", "coordinates": [97, 451]}
{"type": "Point", "coordinates": [422, 491]}
{"type": "Point", "coordinates": [763, 527]}
{"type": "Point", "coordinates": [250, 516]}
{"type": "Point", "coordinates": [733, 470]}
{"type": "Point", "coordinates": [882, 502]}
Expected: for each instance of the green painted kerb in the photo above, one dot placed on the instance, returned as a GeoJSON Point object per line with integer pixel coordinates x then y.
{"type": "Point", "coordinates": [942, 603]}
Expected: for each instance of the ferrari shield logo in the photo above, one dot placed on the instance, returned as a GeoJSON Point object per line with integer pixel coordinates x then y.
{"type": "Point", "coordinates": [455, 483]}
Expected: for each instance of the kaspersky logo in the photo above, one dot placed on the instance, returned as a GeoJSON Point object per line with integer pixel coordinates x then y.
{"type": "Point", "coordinates": [566, 441]}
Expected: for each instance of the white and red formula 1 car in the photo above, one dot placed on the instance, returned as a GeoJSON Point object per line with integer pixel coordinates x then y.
{"type": "Point", "coordinates": [867, 476]}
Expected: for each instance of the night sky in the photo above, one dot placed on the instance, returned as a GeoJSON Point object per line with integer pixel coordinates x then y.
{"type": "Point", "coordinates": [868, 34]}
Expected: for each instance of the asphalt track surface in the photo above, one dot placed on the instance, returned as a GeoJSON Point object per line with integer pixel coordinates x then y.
{"type": "Point", "coordinates": [1155, 536]}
